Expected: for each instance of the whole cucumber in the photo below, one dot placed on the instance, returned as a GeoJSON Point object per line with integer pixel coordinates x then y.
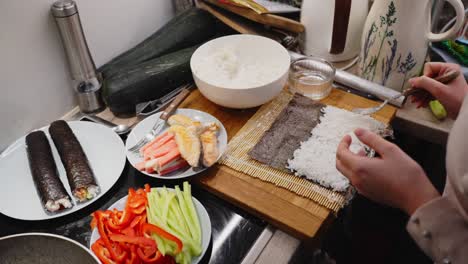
{"type": "Point", "coordinates": [191, 27]}
{"type": "Point", "coordinates": [146, 81]}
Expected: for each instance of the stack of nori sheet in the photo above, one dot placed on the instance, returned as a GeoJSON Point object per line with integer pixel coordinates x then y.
{"type": "Point", "coordinates": [293, 126]}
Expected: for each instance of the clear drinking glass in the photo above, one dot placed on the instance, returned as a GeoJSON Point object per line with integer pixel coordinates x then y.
{"type": "Point", "coordinates": [312, 77]}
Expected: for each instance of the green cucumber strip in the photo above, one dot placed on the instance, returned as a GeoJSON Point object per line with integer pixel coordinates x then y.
{"type": "Point", "coordinates": [165, 208]}
{"type": "Point", "coordinates": [160, 243]}
{"type": "Point", "coordinates": [186, 214]}
{"type": "Point", "coordinates": [178, 218]}
{"type": "Point", "coordinates": [192, 211]}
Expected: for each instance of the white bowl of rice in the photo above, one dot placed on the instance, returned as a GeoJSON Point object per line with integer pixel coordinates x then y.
{"type": "Point", "coordinates": [240, 71]}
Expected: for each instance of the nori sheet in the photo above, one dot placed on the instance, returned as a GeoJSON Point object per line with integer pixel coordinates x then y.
{"type": "Point", "coordinates": [79, 172]}
{"type": "Point", "coordinates": [43, 168]}
{"type": "Point", "coordinates": [293, 126]}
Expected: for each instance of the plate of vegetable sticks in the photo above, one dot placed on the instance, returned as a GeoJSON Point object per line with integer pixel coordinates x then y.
{"type": "Point", "coordinates": [161, 225]}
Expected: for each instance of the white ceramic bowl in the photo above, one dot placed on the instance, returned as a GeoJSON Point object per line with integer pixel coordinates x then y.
{"type": "Point", "coordinates": [247, 49]}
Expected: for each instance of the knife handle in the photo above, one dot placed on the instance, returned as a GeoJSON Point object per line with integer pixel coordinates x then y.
{"type": "Point", "coordinates": [175, 104]}
{"type": "Point", "coordinates": [444, 78]}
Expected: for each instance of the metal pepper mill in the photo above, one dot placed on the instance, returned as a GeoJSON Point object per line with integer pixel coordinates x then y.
{"type": "Point", "coordinates": [87, 81]}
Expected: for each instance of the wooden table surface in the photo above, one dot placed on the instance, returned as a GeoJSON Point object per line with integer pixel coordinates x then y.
{"type": "Point", "coordinates": [284, 209]}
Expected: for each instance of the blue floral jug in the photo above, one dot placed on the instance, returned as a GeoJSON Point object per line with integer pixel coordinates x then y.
{"type": "Point", "coordinates": [396, 37]}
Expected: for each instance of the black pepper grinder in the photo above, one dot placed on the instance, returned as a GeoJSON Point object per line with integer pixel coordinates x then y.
{"type": "Point", "coordinates": [87, 81]}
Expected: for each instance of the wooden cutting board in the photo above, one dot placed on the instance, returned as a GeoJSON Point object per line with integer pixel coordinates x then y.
{"type": "Point", "coordinates": [286, 210]}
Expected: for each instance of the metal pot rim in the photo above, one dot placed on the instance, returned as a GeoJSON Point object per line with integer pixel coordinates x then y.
{"type": "Point", "coordinates": [54, 236]}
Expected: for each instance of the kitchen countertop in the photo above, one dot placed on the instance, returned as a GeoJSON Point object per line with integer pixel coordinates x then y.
{"type": "Point", "coordinates": [234, 231]}
{"type": "Point", "coordinates": [419, 122]}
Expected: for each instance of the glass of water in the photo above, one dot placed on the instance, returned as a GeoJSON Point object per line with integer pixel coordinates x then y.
{"type": "Point", "coordinates": [312, 77]}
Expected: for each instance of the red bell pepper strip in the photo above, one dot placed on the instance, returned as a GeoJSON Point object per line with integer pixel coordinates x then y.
{"type": "Point", "coordinates": [157, 258]}
{"type": "Point", "coordinates": [149, 228]}
{"type": "Point", "coordinates": [136, 221]}
{"type": "Point", "coordinates": [134, 259]}
{"type": "Point", "coordinates": [139, 241]}
{"type": "Point", "coordinates": [120, 221]}
{"type": "Point", "coordinates": [129, 231]}
{"type": "Point", "coordinates": [131, 192]}
{"type": "Point", "coordinates": [115, 251]}
{"type": "Point", "coordinates": [139, 210]}
{"type": "Point", "coordinates": [101, 252]}
{"type": "Point", "coordinates": [140, 226]}
{"type": "Point", "coordinates": [136, 202]}
{"type": "Point", "coordinates": [141, 192]}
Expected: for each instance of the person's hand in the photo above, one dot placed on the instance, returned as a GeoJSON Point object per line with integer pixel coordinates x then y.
{"type": "Point", "coordinates": [451, 95]}
{"type": "Point", "coordinates": [393, 178]}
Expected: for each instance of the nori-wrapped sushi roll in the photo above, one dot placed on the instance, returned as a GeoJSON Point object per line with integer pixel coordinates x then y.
{"type": "Point", "coordinates": [79, 173]}
{"type": "Point", "coordinates": [53, 195]}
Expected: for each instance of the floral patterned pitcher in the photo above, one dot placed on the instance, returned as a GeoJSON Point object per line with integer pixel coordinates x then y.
{"type": "Point", "coordinates": [396, 37]}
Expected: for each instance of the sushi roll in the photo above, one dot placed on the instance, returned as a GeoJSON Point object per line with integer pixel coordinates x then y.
{"type": "Point", "coordinates": [79, 173]}
{"type": "Point", "coordinates": [53, 195]}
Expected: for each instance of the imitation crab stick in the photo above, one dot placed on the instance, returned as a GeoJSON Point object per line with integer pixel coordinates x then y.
{"type": "Point", "coordinates": [156, 164]}
{"type": "Point", "coordinates": [168, 158]}
{"type": "Point", "coordinates": [158, 144]}
{"type": "Point", "coordinates": [156, 139]}
{"type": "Point", "coordinates": [161, 151]}
{"type": "Point", "coordinates": [168, 162]}
{"type": "Point", "coordinates": [173, 166]}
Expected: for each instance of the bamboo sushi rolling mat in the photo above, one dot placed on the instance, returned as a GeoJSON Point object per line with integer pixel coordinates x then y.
{"type": "Point", "coordinates": [237, 158]}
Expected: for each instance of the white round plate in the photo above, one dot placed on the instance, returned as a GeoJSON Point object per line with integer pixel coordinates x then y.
{"type": "Point", "coordinates": [140, 130]}
{"type": "Point", "coordinates": [205, 224]}
{"type": "Point", "coordinates": [19, 198]}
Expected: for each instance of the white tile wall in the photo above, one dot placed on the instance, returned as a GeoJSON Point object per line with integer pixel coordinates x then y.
{"type": "Point", "coordinates": [34, 80]}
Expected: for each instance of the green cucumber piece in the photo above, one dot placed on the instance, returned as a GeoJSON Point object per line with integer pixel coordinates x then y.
{"type": "Point", "coordinates": [187, 195]}
{"type": "Point", "coordinates": [438, 109]}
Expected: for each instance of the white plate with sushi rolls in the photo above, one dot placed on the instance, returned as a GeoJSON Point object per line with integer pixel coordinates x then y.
{"type": "Point", "coordinates": [34, 173]}
{"type": "Point", "coordinates": [190, 142]}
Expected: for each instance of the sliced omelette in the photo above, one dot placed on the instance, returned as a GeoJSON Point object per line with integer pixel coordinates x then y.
{"type": "Point", "coordinates": [188, 142]}
{"type": "Point", "coordinates": [209, 140]}
{"type": "Point", "coordinates": [185, 121]}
